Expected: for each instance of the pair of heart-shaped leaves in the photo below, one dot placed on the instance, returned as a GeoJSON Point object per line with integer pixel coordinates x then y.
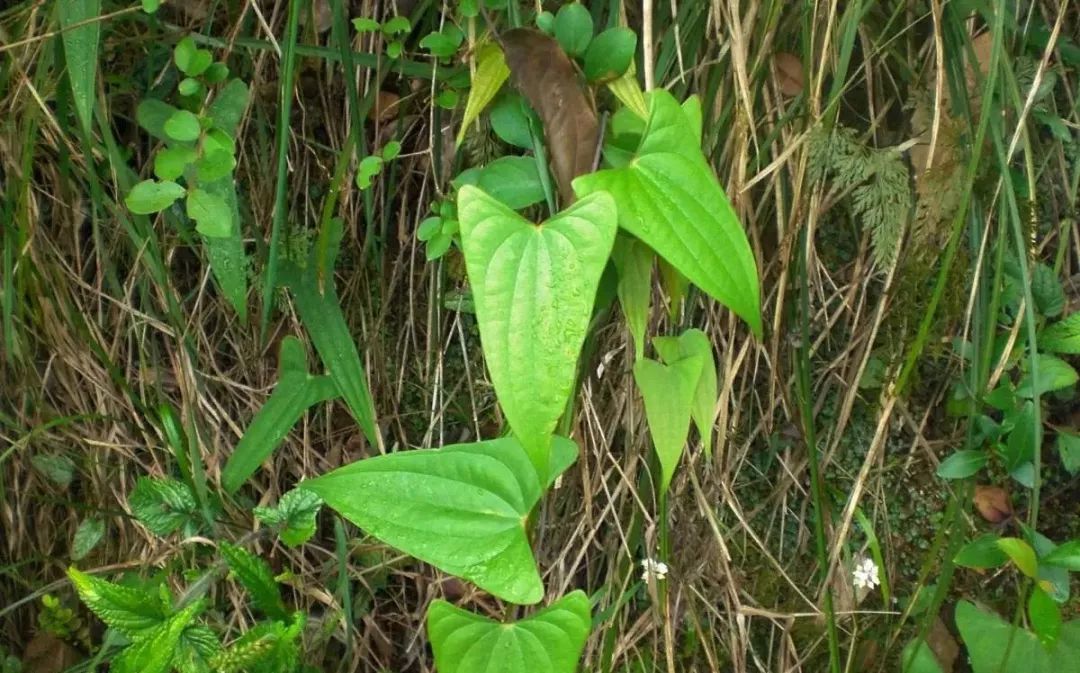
{"type": "Point", "coordinates": [549, 641]}
{"type": "Point", "coordinates": [461, 508]}
{"type": "Point", "coordinates": [682, 389]}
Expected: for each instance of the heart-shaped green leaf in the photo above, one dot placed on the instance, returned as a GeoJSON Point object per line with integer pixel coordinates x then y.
{"type": "Point", "coordinates": [534, 287]}
{"type": "Point", "coordinates": [694, 342]}
{"type": "Point", "coordinates": [669, 198]}
{"type": "Point", "coordinates": [461, 508]}
{"type": "Point", "coordinates": [668, 392]}
{"type": "Point", "coordinates": [549, 641]}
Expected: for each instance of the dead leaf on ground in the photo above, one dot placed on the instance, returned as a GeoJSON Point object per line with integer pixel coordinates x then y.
{"type": "Point", "coordinates": [48, 654]}
{"type": "Point", "coordinates": [789, 73]}
{"type": "Point", "coordinates": [943, 645]}
{"type": "Point", "coordinates": [546, 76]}
{"type": "Point", "coordinates": [387, 106]}
{"type": "Point", "coordinates": [993, 503]}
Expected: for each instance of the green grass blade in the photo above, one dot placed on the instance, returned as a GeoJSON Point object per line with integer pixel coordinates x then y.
{"type": "Point", "coordinates": [322, 317]}
{"type": "Point", "coordinates": [295, 393]}
{"type": "Point", "coordinates": [280, 191]}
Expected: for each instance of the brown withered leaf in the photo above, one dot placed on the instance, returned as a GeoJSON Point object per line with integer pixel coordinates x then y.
{"type": "Point", "coordinates": [48, 654]}
{"type": "Point", "coordinates": [549, 80]}
{"type": "Point", "coordinates": [789, 73]}
{"type": "Point", "coordinates": [993, 503]}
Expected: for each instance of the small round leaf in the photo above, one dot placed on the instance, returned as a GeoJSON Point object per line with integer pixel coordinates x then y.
{"type": "Point", "coordinates": [610, 54]}
{"type": "Point", "coordinates": [574, 28]}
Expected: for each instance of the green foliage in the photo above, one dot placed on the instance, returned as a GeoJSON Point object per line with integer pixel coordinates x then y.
{"type": "Point", "coordinates": [200, 151]}
{"type": "Point", "coordinates": [81, 36]}
{"type": "Point", "coordinates": [996, 646]}
{"type": "Point", "coordinates": [512, 180]}
{"type": "Point", "coordinates": [296, 392]}
{"type": "Point", "coordinates": [268, 648]}
{"type": "Point", "coordinates": [610, 54]}
{"type": "Point", "coordinates": [879, 180]}
{"type": "Point", "coordinates": [668, 392]}
{"type": "Point", "coordinates": [695, 343]}
{"type": "Point", "coordinates": [542, 280]}
{"type": "Point", "coordinates": [163, 505]}
{"type": "Point", "coordinates": [130, 611]}
{"type": "Point", "coordinates": [574, 28]}
{"type": "Point", "coordinates": [461, 508]}
{"type": "Point", "coordinates": [57, 468]}
{"type": "Point", "coordinates": [549, 641]}
{"type": "Point", "coordinates": [634, 264]}
{"type": "Point", "coordinates": [294, 516]}
{"type": "Point", "coordinates": [255, 574]}
{"type": "Point", "coordinates": [669, 199]}
{"type": "Point", "coordinates": [87, 536]}
{"type": "Point", "coordinates": [1062, 336]}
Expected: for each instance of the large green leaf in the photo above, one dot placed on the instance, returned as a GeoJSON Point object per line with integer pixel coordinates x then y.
{"type": "Point", "coordinates": [996, 646]}
{"type": "Point", "coordinates": [461, 508]}
{"type": "Point", "coordinates": [669, 198]}
{"type": "Point", "coordinates": [154, 650]}
{"type": "Point", "coordinates": [255, 575]}
{"type": "Point", "coordinates": [129, 611]}
{"type": "Point", "coordinates": [82, 33]}
{"type": "Point", "coordinates": [534, 287]}
{"type": "Point", "coordinates": [668, 392]}
{"type": "Point", "coordinates": [694, 342]}
{"type": "Point", "coordinates": [1063, 336]}
{"type": "Point", "coordinates": [549, 641]}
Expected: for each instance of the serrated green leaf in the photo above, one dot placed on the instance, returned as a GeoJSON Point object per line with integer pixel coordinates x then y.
{"type": "Point", "coordinates": [150, 196]}
{"type": "Point", "coordinates": [162, 505]}
{"type": "Point", "coordinates": [669, 198]}
{"type": "Point", "coordinates": [634, 264]}
{"type": "Point", "coordinates": [1046, 290]}
{"type": "Point", "coordinates": [87, 536]}
{"type": "Point", "coordinates": [127, 610]}
{"type": "Point", "coordinates": [228, 106]}
{"type": "Point", "coordinates": [81, 36]}
{"type": "Point", "coordinates": [534, 288]}
{"type": "Point", "coordinates": [269, 647]}
{"type": "Point", "coordinates": [182, 126]}
{"type": "Point", "coordinates": [1063, 336]}
{"type": "Point", "coordinates": [668, 392]}
{"type": "Point", "coordinates": [255, 575]}
{"type": "Point", "coordinates": [155, 649]}
{"type": "Point", "coordinates": [574, 28]}
{"type": "Point", "coordinates": [1068, 446]}
{"type": "Point", "coordinates": [294, 516]}
{"type": "Point", "coordinates": [295, 393]}
{"type": "Point", "coordinates": [491, 73]}
{"type": "Point", "coordinates": [610, 54]}
{"type": "Point", "coordinates": [58, 469]}
{"type": "Point", "coordinates": [691, 343]}
{"type": "Point", "coordinates": [461, 508]}
{"type": "Point", "coordinates": [1054, 374]}
{"type": "Point", "coordinates": [196, 650]}
{"type": "Point", "coordinates": [152, 115]}
{"type": "Point", "coordinates": [962, 464]}
{"type": "Point", "coordinates": [550, 641]}
{"type": "Point", "coordinates": [169, 163]}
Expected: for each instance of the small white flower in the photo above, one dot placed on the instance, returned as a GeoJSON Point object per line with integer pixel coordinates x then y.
{"type": "Point", "coordinates": [865, 574]}
{"type": "Point", "coordinates": [653, 568]}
